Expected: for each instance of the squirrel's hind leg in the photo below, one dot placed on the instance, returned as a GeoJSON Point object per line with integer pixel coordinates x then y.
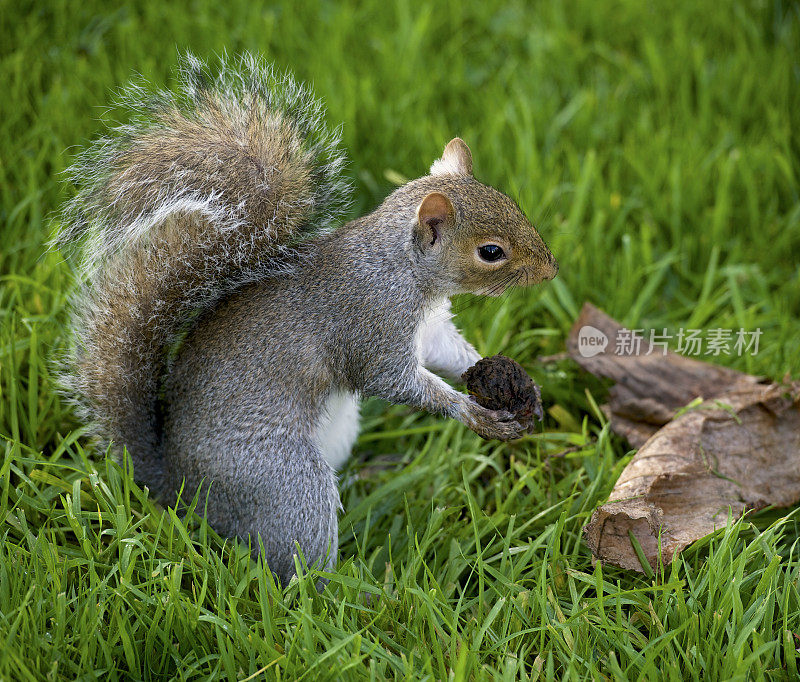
{"type": "Point", "coordinates": [278, 494]}
{"type": "Point", "coordinates": [295, 503]}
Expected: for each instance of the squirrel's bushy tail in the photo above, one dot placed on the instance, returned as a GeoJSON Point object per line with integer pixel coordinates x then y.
{"type": "Point", "coordinates": [206, 189]}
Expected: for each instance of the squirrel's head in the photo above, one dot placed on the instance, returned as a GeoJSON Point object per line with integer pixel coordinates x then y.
{"type": "Point", "coordinates": [478, 238]}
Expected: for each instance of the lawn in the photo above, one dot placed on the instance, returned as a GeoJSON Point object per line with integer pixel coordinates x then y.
{"type": "Point", "coordinates": [655, 146]}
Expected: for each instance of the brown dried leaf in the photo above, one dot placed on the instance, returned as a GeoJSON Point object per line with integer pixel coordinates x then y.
{"type": "Point", "coordinates": [738, 450]}
{"type": "Point", "coordinates": [695, 470]}
{"type": "Point", "coordinates": [652, 387]}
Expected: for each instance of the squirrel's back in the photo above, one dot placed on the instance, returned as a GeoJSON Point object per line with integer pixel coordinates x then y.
{"type": "Point", "coordinates": [205, 190]}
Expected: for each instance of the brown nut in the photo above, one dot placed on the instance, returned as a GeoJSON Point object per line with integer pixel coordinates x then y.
{"type": "Point", "coordinates": [500, 383]}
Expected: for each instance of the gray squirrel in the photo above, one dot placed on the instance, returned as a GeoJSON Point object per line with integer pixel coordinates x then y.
{"type": "Point", "coordinates": [223, 330]}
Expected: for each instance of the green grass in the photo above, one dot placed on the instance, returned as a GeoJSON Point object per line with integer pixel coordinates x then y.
{"type": "Point", "coordinates": [656, 146]}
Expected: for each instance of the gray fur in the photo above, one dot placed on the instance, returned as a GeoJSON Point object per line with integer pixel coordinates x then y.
{"type": "Point", "coordinates": [205, 190]}
{"type": "Point", "coordinates": [282, 311]}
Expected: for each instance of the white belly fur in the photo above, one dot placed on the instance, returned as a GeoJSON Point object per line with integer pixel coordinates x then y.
{"type": "Point", "coordinates": [338, 427]}
{"type": "Point", "coordinates": [431, 342]}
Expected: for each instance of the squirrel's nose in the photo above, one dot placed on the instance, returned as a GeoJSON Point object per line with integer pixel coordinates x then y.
{"type": "Point", "coordinates": [549, 267]}
{"type": "Point", "coordinates": [538, 273]}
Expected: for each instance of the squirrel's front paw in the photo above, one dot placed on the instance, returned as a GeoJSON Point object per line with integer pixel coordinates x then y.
{"type": "Point", "coordinates": [492, 424]}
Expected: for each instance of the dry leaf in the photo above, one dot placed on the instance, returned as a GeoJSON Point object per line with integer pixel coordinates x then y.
{"type": "Point", "coordinates": [652, 387]}
{"type": "Point", "coordinates": [739, 449]}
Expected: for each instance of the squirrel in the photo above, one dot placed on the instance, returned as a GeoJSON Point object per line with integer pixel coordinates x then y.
{"type": "Point", "coordinates": [223, 331]}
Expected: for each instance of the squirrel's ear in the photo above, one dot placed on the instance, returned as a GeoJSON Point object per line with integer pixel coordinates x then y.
{"type": "Point", "coordinates": [433, 215]}
{"type": "Point", "coordinates": [456, 159]}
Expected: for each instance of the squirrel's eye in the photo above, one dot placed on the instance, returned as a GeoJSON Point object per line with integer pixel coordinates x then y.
{"type": "Point", "coordinates": [491, 253]}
